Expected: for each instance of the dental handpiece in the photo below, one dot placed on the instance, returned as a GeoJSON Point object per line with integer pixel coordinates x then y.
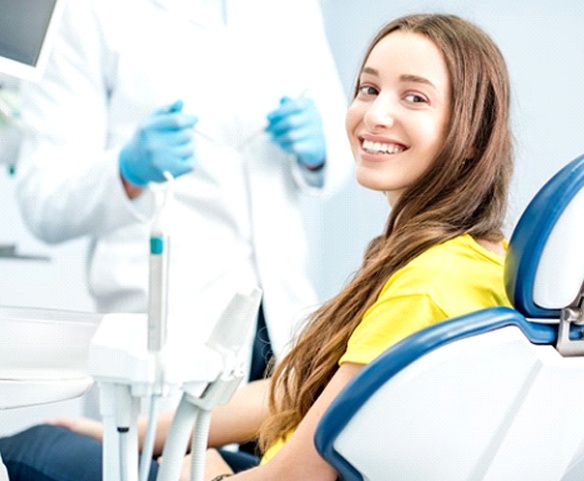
{"type": "Point", "coordinates": [158, 275]}
{"type": "Point", "coordinates": [158, 284]}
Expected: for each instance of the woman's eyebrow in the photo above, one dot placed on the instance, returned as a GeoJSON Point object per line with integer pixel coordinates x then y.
{"type": "Point", "coordinates": [370, 71]}
{"type": "Point", "coordinates": [416, 79]}
{"type": "Point", "coordinates": [404, 77]}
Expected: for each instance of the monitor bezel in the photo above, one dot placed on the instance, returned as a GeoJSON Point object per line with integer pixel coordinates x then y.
{"type": "Point", "coordinates": [24, 71]}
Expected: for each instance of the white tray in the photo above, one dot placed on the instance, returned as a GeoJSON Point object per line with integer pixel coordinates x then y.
{"type": "Point", "coordinates": [44, 355]}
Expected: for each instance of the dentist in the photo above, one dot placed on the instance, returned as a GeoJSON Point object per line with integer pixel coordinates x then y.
{"type": "Point", "coordinates": [239, 100]}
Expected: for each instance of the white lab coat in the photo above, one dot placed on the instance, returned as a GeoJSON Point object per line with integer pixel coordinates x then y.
{"type": "Point", "coordinates": [236, 220]}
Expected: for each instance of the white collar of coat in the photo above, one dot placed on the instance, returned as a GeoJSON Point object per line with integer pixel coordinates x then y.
{"type": "Point", "coordinates": [207, 13]}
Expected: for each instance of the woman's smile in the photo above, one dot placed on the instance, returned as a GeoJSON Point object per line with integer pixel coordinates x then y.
{"type": "Point", "coordinates": [398, 119]}
{"type": "Point", "coordinates": [382, 147]}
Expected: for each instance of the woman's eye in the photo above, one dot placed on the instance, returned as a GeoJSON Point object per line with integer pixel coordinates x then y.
{"type": "Point", "coordinates": [415, 99]}
{"type": "Point", "coordinates": [367, 90]}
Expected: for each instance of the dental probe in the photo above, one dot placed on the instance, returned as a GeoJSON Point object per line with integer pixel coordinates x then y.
{"type": "Point", "coordinates": [251, 137]}
{"type": "Point", "coordinates": [177, 107]}
{"type": "Point", "coordinates": [205, 136]}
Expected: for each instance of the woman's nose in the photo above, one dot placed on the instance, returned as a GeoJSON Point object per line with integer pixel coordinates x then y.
{"type": "Point", "coordinates": [381, 113]}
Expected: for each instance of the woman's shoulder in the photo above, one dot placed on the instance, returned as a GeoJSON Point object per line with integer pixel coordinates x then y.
{"type": "Point", "coordinates": [445, 265]}
{"type": "Point", "coordinates": [463, 249]}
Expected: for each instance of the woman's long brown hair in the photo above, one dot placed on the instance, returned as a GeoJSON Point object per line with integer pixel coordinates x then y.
{"type": "Point", "coordinates": [464, 191]}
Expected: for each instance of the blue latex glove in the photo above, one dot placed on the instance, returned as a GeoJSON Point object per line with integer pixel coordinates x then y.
{"type": "Point", "coordinates": [162, 142]}
{"type": "Point", "coordinates": [296, 126]}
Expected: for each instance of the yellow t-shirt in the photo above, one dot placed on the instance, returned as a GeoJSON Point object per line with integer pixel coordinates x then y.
{"type": "Point", "coordinates": [448, 280]}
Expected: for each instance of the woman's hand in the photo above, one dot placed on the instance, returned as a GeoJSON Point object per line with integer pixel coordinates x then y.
{"type": "Point", "coordinates": [86, 426]}
{"type": "Point", "coordinates": [214, 466]}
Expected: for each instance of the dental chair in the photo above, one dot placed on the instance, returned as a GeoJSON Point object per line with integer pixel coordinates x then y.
{"type": "Point", "coordinates": [495, 395]}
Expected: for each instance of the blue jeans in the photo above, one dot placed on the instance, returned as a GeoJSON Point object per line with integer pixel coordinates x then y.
{"type": "Point", "coordinates": [52, 453]}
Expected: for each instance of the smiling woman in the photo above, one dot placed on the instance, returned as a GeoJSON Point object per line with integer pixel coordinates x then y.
{"type": "Point", "coordinates": [397, 121]}
{"type": "Point", "coordinates": [429, 124]}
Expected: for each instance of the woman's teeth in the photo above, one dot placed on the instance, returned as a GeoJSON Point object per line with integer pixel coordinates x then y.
{"type": "Point", "coordinates": [381, 148]}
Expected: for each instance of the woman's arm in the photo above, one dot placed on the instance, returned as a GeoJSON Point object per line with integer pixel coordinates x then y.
{"type": "Point", "coordinates": [228, 425]}
{"type": "Point", "coordinates": [239, 420]}
{"type": "Point", "coordinates": [299, 459]}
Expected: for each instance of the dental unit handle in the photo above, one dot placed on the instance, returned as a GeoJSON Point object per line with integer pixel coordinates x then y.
{"type": "Point", "coordinates": [158, 282]}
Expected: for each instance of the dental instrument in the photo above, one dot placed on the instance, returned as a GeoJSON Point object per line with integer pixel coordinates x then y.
{"type": "Point", "coordinates": [206, 136]}
{"type": "Point", "coordinates": [133, 360]}
{"type": "Point", "coordinates": [157, 317]}
{"type": "Point", "coordinates": [158, 280]}
{"type": "Point", "coordinates": [254, 135]}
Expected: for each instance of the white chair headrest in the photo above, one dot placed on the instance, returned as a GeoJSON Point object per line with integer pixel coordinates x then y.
{"type": "Point", "coordinates": [544, 267]}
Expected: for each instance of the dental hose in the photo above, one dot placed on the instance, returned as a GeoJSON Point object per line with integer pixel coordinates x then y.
{"type": "Point", "coordinates": [177, 440]}
{"type": "Point", "coordinates": [199, 445]}
{"type": "Point", "coordinates": [149, 439]}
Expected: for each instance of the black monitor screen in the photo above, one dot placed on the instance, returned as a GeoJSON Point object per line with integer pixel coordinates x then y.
{"type": "Point", "coordinates": [23, 26]}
